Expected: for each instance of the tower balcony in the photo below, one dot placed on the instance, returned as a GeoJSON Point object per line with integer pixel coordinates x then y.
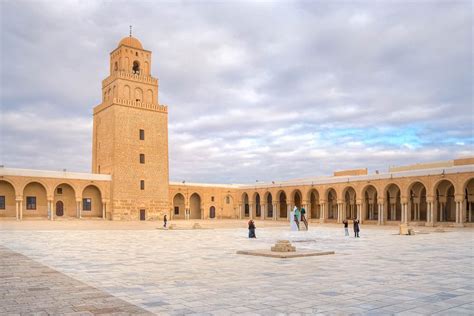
{"type": "Point", "coordinates": [131, 103]}
{"type": "Point", "coordinates": [129, 76]}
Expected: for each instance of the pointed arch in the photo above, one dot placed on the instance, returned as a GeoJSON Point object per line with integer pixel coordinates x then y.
{"type": "Point", "coordinates": [179, 206]}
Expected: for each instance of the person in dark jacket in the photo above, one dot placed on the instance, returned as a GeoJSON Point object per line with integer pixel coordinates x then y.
{"type": "Point", "coordinates": [165, 221]}
{"type": "Point", "coordinates": [252, 229]}
{"type": "Point", "coordinates": [356, 228]}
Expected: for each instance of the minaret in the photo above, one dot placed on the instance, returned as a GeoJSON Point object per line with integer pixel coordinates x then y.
{"type": "Point", "coordinates": [130, 135]}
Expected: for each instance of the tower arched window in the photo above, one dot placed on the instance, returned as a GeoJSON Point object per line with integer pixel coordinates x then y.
{"type": "Point", "coordinates": [116, 66]}
{"type": "Point", "coordinates": [136, 67]}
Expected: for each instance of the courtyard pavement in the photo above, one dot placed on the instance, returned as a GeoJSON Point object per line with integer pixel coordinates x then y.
{"type": "Point", "coordinates": [181, 272]}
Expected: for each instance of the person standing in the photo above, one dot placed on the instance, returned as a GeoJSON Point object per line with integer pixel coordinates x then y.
{"type": "Point", "coordinates": [346, 227]}
{"type": "Point", "coordinates": [252, 229]}
{"type": "Point", "coordinates": [297, 217]}
{"type": "Point", "coordinates": [356, 228]}
{"type": "Point", "coordinates": [165, 220]}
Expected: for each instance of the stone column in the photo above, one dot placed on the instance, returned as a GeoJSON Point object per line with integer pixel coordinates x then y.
{"type": "Point", "coordinates": [339, 212]}
{"type": "Point", "coordinates": [240, 211]}
{"type": "Point", "coordinates": [262, 211]}
{"type": "Point", "coordinates": [307, 207]}
{"type": "Point", "coordinates": [104, 206]}
{"type": "Point", "coordinates": [288, 209]}
{"type": "Point", "coordinates": [17, 210]}
{"type": "Point", "coordinates": [275, 205]}
{"type": "Point", "coordinates": [322, 216]}
{"type": "Point", "coordinates": [78, 208]}
{"type": "Point", "coordinates": [51, 208]}
{"type": "Point", "coordinates": [20, 208]}
{"type": "Point", "coordinates": [251, 211]}
{"type": "Point", "coordinates": [359, 212]}
{"type": "Point", "coordinates": [380, 214]}
{"type": "Point", "coordinates": [459, 218]}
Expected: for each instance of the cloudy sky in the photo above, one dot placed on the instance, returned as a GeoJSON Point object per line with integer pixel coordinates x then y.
{"type": "Point", "coordinates": [256, 90]}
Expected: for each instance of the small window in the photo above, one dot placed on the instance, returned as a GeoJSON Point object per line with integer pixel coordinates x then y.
{"type": "Point", "coordinates": [136, 67]}
{"type": "Point", "coordinates": [227, 200]}
{"type": "Point", "coordinates": [87, 204]}
{"type": "Point", "coordinates": [2, 202]}
{"type": "Point", "coordinates": [142, 134]}
{"type": "Point", "coordinates": [116, 66]}
{"type": "Point", "coordinates": [212, 199]}
{"type": "Point", "coordinates": [136, 53]}
{"type": "Point", "coordinates": [142, 184]}
{"type": "Point", "coordinates": [142, 158]}
{"type": "Point", "coordinates": [59, 191]}
{"type": "Point", "coordinates": [31, 202]}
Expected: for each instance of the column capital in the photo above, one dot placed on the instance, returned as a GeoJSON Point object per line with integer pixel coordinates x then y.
{"type": "Point", "coordinates": [19, 199]}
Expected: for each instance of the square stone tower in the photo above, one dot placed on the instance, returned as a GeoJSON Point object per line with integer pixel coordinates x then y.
{"type": "Point", "coordinates": [130, 136]}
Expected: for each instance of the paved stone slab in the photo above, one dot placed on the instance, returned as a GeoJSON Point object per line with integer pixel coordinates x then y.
{"type": "Point", "coordinates": [198, 271]}
{"type": "Point", "coordinates": [28, 287]}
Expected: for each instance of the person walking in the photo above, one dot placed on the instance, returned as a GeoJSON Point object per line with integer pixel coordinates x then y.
{"type": "Point", "coordinates": [252, 229]}
{"type": "Point", "coordinates": [303, 217]}
{"type": "Point", "coordinates": [346, 227]}
{"type": "Point", "coordinates": [356, 228]}
{"type": "Point", "coordinates": [165, 221]}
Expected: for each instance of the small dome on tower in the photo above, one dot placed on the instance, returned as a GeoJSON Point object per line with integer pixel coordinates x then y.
{"type": "Point", "coordinates": [131, 41]}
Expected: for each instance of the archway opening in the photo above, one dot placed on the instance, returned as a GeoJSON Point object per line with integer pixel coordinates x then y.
{"type": "Point", "coordinates": [370, 203]}
{"type": "Point", "coordinates": [469, 201]}
{"type": "Point", "coordinates": [269, 205]}
{"type": "Point", "coordinates": [350, 203]}
{"type": "Point", "coordinates": [283, 206]}
{"type": "Point", "coordinates": [212, 212]}
{"type": "Point", "coordinates": [297, 200]}
{"type": "Point", "coordinates": [245, 203]}
{"type": "Point", "coordinates": [418, 206]}
{"type": "Point", "coordinates": [195, 206]}
{"type": "Point", "coordinates": [394, 205]}
{"type": "Point", "coordinates": [315, 208]}
{"type": "Point", "coordinates": [445, 204]}
{"type": "Point", "coordinates": [35, 203]}
{"type": "Point", "coordinates": [65, 194]}
{"type": "Point", "coordinates": [179, 206]}
{"type": "Point", "coordinates": [332, 204]}
{"type": "Point", "coordinates": [258, 207]}
{"type": "Point", "coordinates": [91, 202]}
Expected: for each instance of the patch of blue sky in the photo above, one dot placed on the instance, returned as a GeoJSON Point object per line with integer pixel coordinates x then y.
{"type": "Point", "coordinates": [407, 136]}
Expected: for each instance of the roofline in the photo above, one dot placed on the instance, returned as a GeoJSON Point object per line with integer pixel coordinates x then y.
{"type": "Point", "coordinates": [380, 176]}
{"type": "Point", "coordinates": [54, 174]}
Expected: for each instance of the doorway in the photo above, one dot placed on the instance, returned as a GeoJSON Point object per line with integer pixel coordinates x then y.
{"type": "Point", "coordinates": [142, 215]}
{"type": "Point", "coordinates": [59, 208]}
{"type": "Point", "coordinates": [212, 212]}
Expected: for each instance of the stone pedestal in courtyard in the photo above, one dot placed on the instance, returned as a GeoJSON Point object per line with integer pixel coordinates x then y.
{"type": "Point", "coordinates": [283, 246]}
